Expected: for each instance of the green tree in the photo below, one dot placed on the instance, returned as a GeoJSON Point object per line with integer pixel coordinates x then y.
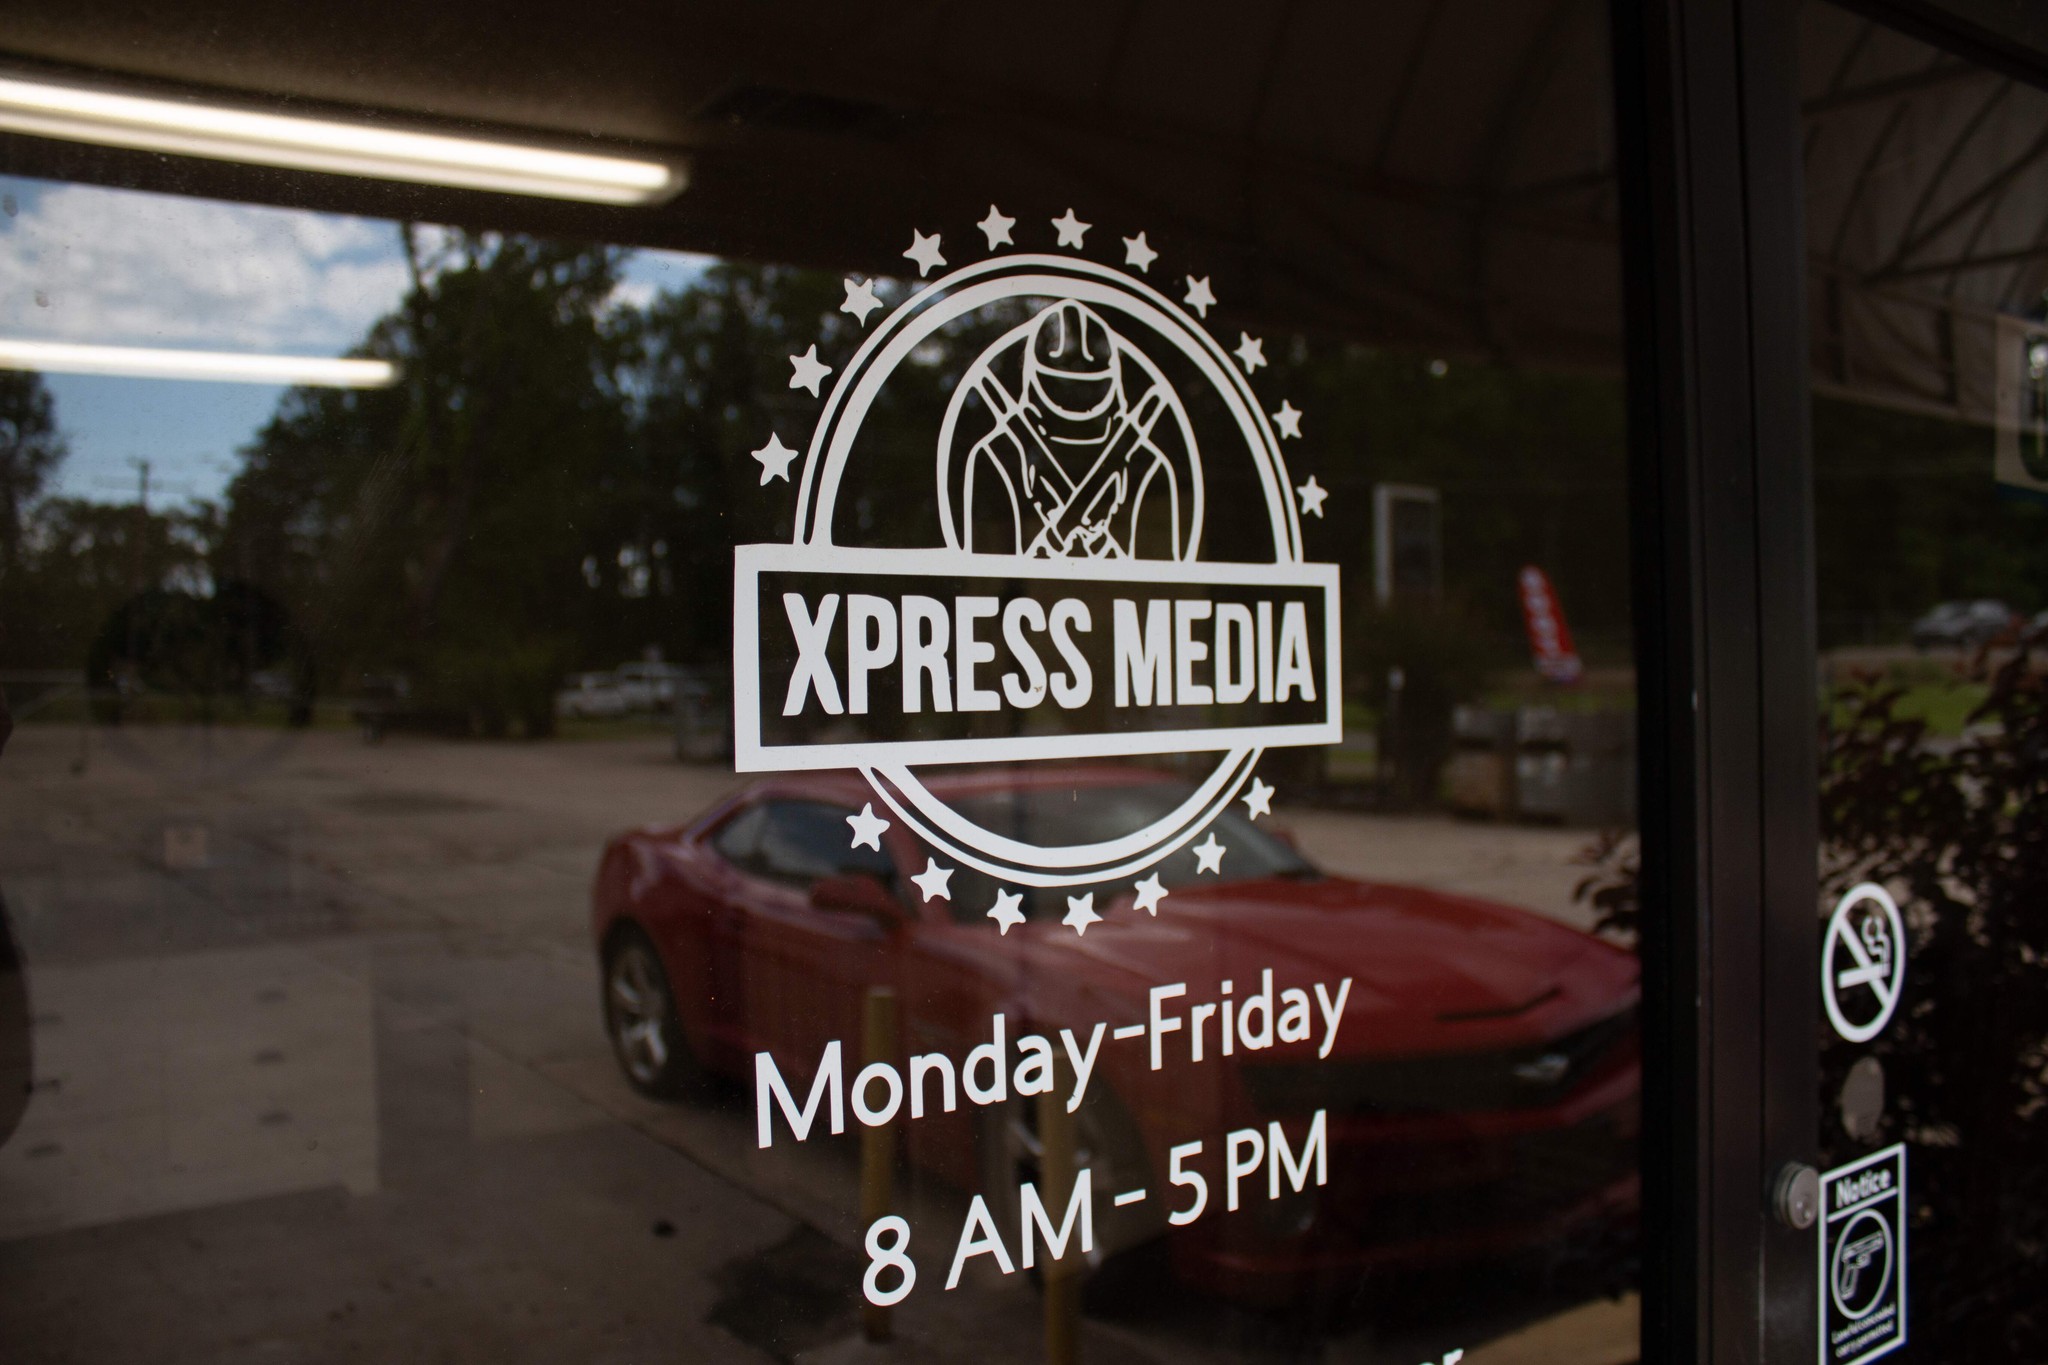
{"type": "Point", "coordinates": [713, 382]}
{"type": "Point", "coordinates": [446, 527]}
{"type": "Point", "coordinates": [31, 448]}
{"type": "Point", "coordinates": [1909, 516]}
{"type": "Point", "coordinates": [81, 560]}
{"type": "Point", "coordinates": [1531, 467]}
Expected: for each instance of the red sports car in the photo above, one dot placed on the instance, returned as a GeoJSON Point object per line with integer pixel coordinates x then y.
{"type": "Point", "coordinates": [1477, 1068]}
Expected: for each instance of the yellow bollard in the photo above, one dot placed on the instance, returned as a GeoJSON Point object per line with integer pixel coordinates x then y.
{"type": "Point", "coordinates": [1055, 1186]}
{"type": "Point", "coordinates": [878, 1144]}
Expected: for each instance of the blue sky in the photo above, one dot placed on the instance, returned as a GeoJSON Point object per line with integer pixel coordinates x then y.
{"type": "Point", "coordinates": [85, 264]}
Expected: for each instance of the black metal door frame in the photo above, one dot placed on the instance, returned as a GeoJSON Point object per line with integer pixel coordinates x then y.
{"type": "Point", "coordinates": [1714, 254]}
{"type": "Point", "coordinates": [1710, 169]}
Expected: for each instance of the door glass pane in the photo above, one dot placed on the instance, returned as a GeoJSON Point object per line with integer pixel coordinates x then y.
{"type": "Point", "coordinates": [1038, 657]}
{"type": "Point", "coordinates": [1926, 202]}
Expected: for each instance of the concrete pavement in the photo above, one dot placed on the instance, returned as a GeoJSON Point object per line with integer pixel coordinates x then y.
{"type": "Point", "coordinates": [321, 1078]}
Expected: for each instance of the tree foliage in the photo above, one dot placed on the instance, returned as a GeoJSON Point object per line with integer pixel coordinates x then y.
{"type": "Point", "coordinates": [1531, 468]}
{"type": "Point", "coordinates": [440, 527]}
{"type": "Point", "coordinates": [711, 382]}
{"type": "Point", "coordinates": [557, 481]}
{"type": "Point", "coordinates": [81, 560]}
{"type": "Point", "coordinates": [1904, 523]}
{"type": "Point", "coordinates": [1959, 830]}
{"type": "Point", "coordinates": [30, 450]}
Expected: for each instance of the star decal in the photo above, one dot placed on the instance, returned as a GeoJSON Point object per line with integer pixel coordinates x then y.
{"type": "Point", "coordinates": [1251, 351]}
{"type": "Point", "coordinates": [1150, 892]}
{"type": "Point", "coordinates": [1070, 230]}
{"type": "Point", "coordinates": [1139, 252]}
{"type": "Point", "coordinates": [925, 251]}
{"type": "Point", "coordinates": [1209, 855]}
{"type": "Point", "coordinates": [867, 828]}
{"type": "Point", "coordinates": [1006, 912]}
{"type": "Point", "coordinates": [1312, 496]}
{"type": "Point", "coordinates": [1259, 801]}
{"type": "Point", "coordinates": [774, 458]}
{"type": "Point", "coordinates": [996, 227]}
{"type": "Point", "coordinates": [808, 370]}
{"type": "Point", "coordinates": [860, 299]}
{"type": "Point", "coordinates": [1199, 298]}
{"type": "Point", "coordinates": [933, 880]}
{"type": "Point", "coordinates": [1288, 419]}
{"type": "Point", "coordinates": [1081, 913]}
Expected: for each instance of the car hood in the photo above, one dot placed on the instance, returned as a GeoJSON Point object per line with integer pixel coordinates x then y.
{"type": "Point", "coordinates": [1428, 969]}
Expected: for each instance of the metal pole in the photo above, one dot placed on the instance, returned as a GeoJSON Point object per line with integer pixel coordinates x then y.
{"type": "Point", "coordinates": [1056, 1186]}
{"type": "Point", "coordinates": [877, 1144]}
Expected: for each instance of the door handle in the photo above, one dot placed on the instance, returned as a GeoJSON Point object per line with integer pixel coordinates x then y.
{"type": "Point", "coordinates": [1795, 1197]}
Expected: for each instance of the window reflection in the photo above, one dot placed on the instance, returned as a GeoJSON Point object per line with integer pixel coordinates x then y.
{"type": "Point", "coordinates": [332, 699]}
{"type": "Point", "coordinates": [1924, 202]}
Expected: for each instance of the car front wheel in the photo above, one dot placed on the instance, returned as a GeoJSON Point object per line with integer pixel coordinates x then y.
{"type": "Point", "coordinates": [640, 1016]}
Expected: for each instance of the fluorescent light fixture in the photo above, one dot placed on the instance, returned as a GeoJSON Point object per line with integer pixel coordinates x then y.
{"type": "Point", "coordinates": [78, 113]}
{"type": "Point", "coordinates": [140, 362]}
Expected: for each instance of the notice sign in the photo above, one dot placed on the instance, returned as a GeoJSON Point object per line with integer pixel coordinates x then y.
{"type": "Point", "coordinates": [1863, 1258]}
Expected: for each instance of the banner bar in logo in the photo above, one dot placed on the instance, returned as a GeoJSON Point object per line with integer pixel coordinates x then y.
{"type": "Point", "coordinates": [847, 657]}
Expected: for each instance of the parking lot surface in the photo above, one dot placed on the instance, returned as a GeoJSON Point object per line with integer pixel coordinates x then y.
{"type": "Point", "coordinates": [317, 1040]}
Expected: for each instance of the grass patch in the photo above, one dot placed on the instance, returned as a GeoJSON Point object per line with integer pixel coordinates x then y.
{"type": "Point", "coordinates": [1943, 705]}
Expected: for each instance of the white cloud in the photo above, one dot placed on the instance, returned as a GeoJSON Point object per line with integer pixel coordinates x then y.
{"type": "Point", "coordinates": [79, 263]}
{"type": "Point", "coordinates": [632, 293]}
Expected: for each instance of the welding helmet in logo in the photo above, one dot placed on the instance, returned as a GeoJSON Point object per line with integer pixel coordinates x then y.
{"type": "Point", "coordinates": [1074, 444]}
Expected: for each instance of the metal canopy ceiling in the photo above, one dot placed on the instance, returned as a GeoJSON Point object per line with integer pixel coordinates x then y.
{"type": "Point", "coordinates": [1430, 172]}
{"type": "Point", "coordinates": [1434, 173]}
{"type": "Point", "coordinates": [1927, 217]}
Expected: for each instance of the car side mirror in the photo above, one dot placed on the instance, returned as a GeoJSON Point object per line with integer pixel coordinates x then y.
{"type": "Point", "coordinates": [860, 893]}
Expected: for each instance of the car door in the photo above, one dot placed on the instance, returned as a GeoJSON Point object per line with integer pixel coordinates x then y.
{"type": "Point", "coordinates": [809, 968]}
{"type": "Point", "coordinates": [730, 851]}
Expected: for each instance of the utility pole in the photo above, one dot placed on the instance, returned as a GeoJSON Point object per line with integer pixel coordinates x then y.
{"type": "Point", "coordinates": [141, 520]}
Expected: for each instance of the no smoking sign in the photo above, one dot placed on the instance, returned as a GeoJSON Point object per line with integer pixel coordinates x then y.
{"type": "Point", "coordinates": [1863, 963]}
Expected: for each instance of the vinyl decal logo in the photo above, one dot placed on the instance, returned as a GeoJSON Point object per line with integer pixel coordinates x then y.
{"type": "Point", "coordinates": [1059, 603]}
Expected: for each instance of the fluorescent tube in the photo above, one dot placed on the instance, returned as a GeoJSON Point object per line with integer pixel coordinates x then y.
{"type": "Point", "coordinates": [78, 113]}
{"type": "Point", "coordinates": [61, 357]}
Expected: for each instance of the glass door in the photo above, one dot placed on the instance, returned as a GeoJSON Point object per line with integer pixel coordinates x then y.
{"type": "Point", "coordinates": [1927, 219]}
{"type": "Point", "coordinates": [992, 711]}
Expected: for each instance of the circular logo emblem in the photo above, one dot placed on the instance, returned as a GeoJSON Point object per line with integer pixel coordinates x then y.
{"type": "Point", "coordinates": [1044, 434]}
{"type": "Point", "coordinates": [1064, 439]}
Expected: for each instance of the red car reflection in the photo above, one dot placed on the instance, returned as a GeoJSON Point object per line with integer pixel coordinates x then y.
{"type": "Point", "coordinates": [1481, 1088]}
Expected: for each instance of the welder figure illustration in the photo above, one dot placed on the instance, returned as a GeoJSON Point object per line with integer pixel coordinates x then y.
{"type": "Point", "coordinates": [1090, 452]}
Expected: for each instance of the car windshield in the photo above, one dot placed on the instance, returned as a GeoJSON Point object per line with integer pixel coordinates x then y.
{"type": "Point", "coordinates": [1096, 814]}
